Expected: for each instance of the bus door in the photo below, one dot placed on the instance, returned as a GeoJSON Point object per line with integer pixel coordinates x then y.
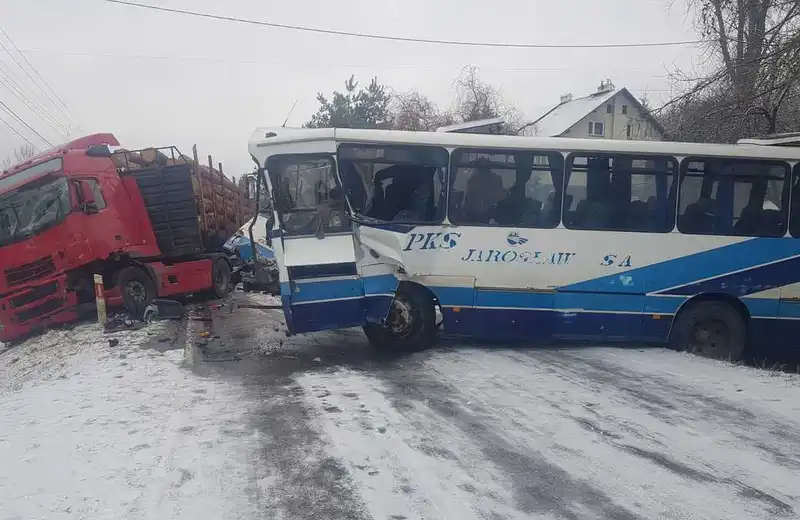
{"type": "Point", "coordinates": [314, 245]}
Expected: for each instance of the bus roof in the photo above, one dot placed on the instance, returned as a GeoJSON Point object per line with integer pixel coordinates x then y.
{"type": "Point", "coordinates": [273, 137]}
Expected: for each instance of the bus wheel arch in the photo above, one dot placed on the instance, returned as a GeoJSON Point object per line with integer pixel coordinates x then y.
{"type": "Point", "coordinates": [711, 325]}
{"type": "Point", "coordinates": [411, 324]}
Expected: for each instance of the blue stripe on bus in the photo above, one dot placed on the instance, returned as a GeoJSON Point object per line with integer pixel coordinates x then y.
{"type": "Point", "coordinates": [316, 290]}
{"type": "Point", "coordinates": [687, 270]}
{"type": "Point", "coordinates": [749, 281]}
{"type": "Point", "coordinates": [469, 297]}
{"type": "Point", "coordinates": [321, 289]}
{"type": "Point", "coordinates": [380, 284]}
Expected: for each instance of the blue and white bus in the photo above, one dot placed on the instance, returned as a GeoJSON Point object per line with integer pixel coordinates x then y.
{"type": "Point", "coordinates": [692, 245]}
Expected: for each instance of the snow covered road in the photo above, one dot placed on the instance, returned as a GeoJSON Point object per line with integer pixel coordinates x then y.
{"type": "Point", "coordinates": [479, 432]}
{"type": "Point", "coordinates": [322, 426]}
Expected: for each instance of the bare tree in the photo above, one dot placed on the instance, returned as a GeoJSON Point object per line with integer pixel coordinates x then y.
{"type": "Point", "coordinates": [20, 154]}
{"type": "Point", "coordinates": [754, 87]}
{"type": "Point", "coordinates": [416, 112]}
{"type": "Point", "coordinates": [476, 99]}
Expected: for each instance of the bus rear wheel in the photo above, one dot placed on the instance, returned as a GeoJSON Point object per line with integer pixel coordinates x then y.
{"type": "Point", "coordinates": [712, 329]}
{"type": "Point", "coordinates": [410, 325]}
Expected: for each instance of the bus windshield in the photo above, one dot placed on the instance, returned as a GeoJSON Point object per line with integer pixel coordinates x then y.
{"type": "Point", "coordinates": [307, 196]}
{"type": "Point", "coordinates": [32, 208]}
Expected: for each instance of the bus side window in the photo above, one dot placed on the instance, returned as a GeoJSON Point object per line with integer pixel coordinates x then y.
{"type": "Point", "coordinates": [510, 188]}
{"type": "Point", "coordinates": [736, 197]}
{"type": "Point", "coordinates": [394, 183]}
{"type": "Point", "coordinates": [619, 192]}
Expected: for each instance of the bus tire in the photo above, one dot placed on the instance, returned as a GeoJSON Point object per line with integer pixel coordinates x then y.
{"type": "Point", "coordinates": [137, 289]}
{"type": "Point", "coordinates": [411, 324]}
{"type": "Point", "coordinates": [712, 329]}
{"type": "Point", "coordinates": [221, 278]}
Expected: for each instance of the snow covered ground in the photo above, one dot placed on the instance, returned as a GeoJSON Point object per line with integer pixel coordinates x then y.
{"type": "Point", "coordinates": [592, 433]}
{"type": "Point", "coordinates": [94, 431]}
{"type": "Point", "coordinates": [322, 426]}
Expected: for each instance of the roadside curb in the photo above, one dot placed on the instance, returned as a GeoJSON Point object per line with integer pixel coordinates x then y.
{"type": "Point", "coordinates": [195, 320]}
{"type": "Point", "coordinates": [189, 346]}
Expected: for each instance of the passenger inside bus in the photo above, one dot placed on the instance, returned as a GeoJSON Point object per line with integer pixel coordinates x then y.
{"type": "Point", "coordinates": [403, 193]}
{"type": "Point", "coordinates": [620, 193]}
{"type": "Point", "coordinates": [517, 209]}
{"type": "Point", "coordinates": [733, 198]}
{"type": "Point", "coordinates": [484, 191]}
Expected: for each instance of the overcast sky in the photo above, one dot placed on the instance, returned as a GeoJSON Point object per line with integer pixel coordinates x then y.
{"type": "Point", "coordinates": [156, 78]}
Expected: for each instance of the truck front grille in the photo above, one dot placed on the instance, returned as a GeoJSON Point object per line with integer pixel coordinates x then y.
{"type": "Point", "coordinates": [31, 271]}
{"type": "Point", "coordinates": [38, 293]}
{"type": "Point", "coordinates": [39, 310]}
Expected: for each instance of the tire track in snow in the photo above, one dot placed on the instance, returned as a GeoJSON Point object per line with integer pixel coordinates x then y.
{"type": "Point", "coordinates": [294, 476]}
{"type": "Point", "coordinates": [408, 462]}
{"type": "Point", "coordinates": [777, 437]}
{"type": "Point", "coordinates": [539, 486]}
{"type": "Point", "coordinates": [522, 378]}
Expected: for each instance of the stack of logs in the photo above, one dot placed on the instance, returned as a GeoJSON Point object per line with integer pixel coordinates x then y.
{"type": "Point", "coordinates": [224, 207]}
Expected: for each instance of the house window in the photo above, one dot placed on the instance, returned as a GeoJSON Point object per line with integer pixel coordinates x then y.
{"type": "Point", "coordinates": [624, 109]}
{"type": "Point", "coordinates": [628, 131]}
{"type": "Point", "coordinates": [596, 128]}
{"type": "Point", "coordinates": [609, 109]}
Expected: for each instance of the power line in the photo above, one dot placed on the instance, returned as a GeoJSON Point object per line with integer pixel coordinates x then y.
{"type": "Point", "coordinates": [8, 82]}
{"type": "Point", "coordinates": [206, 59]}
{"type": "Point", "coordinates": [19, 134]}
{"type": "Point", "coordinates": [40, 136]}
{"type": "Point", "coordinates": [19, 89]}
{"type": "Point", "coordinates": [35, 71]}
{"type": "Point", "coordinates": [402, 38]}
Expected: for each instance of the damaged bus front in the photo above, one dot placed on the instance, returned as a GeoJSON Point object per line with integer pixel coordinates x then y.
{"type": "Point", "coordinates": [340, 263]}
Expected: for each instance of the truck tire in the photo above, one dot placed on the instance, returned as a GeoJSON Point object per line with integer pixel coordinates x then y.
{"type": "Point", "coordinates": [411, 324]}
{"type": "Point", "coordinates": [221, 278]}
{"type": "Point", "coordinates": [137, 289]}
{"type": "Point", "coordinates": [712, 329]}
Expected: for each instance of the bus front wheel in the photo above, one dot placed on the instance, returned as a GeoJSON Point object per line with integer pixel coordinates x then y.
{"type": "Point", "coordinates": [410, 325]}
{"type": "Point", "coordinates": [712, 329]}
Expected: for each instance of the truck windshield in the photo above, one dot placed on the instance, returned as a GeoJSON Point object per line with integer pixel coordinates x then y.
{"type": "Point", "coordinates": [33, 208]}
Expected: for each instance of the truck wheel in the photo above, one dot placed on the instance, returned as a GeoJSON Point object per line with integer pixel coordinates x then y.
{"type": "Point", "coordinates": [221, 278]}
{"type": "Point", "coordinates": [712, 329]}
{"type": "Point", "coordinates": [411, 324]}
{"type": "Point", "coordinates": [137, 289]}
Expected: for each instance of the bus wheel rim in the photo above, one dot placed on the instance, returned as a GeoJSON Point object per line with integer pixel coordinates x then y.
{"type": "Point", "coordinates": [710, 337]}
{"type": "Point", "coordinates": [401, 317]}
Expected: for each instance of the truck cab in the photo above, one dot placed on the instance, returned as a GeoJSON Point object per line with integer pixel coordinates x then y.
{"type": "Point", "coordinates": [136, 218]}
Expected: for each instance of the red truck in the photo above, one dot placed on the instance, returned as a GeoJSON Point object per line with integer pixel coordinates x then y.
{"type": "Point", "coordinates": [152, 222]}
